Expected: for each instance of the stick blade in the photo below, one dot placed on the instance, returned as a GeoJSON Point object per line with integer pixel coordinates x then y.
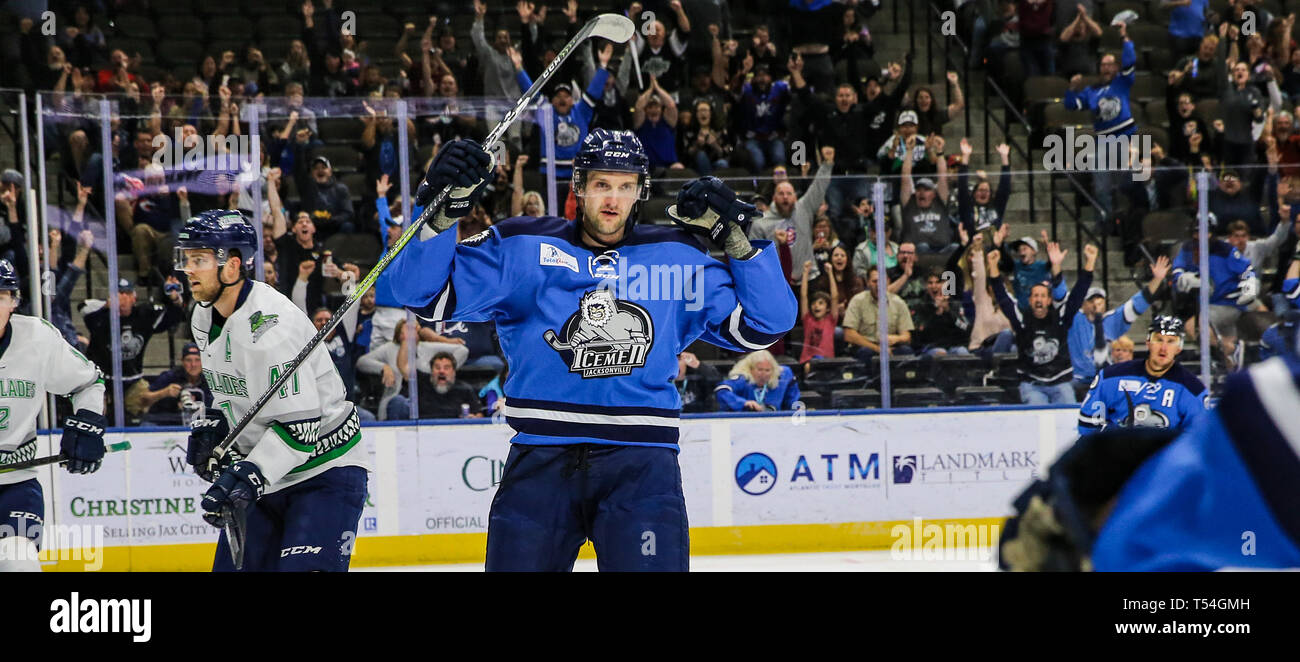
{"type": "Point", "coordinates": [614, 27]}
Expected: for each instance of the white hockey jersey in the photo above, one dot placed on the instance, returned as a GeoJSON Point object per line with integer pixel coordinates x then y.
{"type": "Point", "coordinates": [310, 427]}
{"type": "Point", "coordinates": [36, 360]}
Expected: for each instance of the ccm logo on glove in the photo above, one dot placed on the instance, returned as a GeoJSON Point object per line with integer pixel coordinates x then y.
{"type": "Point", "coordinates": [84, 426]}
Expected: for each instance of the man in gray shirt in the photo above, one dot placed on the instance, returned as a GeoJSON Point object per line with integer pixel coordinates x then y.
{"type": "Point", "coordinates": [795, 215]}
{"type": "Point", "coordinates": [925, 213]}
{"type": "Point", "coordinates": [498, 71]}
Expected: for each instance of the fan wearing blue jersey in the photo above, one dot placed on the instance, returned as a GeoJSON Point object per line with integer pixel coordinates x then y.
{"type": "Point", "coordinates": [1108, 101]}
{"type": "Point", "coordinates": [591, 315]}
{"type": "Point", "coordinates": [1154, 392]}
{"type": "Point", "coordinates": [1233, 284]}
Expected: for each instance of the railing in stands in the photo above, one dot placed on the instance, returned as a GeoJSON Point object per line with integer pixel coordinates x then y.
{"type": "Point", "coordinates": [1012, 114]}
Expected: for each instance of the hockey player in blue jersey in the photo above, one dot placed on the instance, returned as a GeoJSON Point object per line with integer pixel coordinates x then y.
{"type": "Point", "coordinates": [1153, 392]}
{"type": "Point", "coordinates": [1218, 495]}
{"type": "Point", "coordinates": [591, 316]}
{"type": "Point", "coordinates": [1233, 285]}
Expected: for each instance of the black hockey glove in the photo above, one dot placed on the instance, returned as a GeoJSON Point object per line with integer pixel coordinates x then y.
{"type": "Point", "coordinates": [83, 441]}
{"type": "Point", "coordinates": [466, 168]}
{"type": "Point", "coordinates": [233, 492]}
{"type": "Point", "coordinates": [205, 434]}
{"type": "Point", "coordinates": [706, 206]}
{"type": "Point", "coordinates": [1057, 519]}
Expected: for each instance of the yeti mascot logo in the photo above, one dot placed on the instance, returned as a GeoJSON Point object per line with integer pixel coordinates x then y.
{"type": "Point", "coordinates": [1044, 350]}
{"type": "Point", "coordinates": [1109, 107]}
{"type": "Point", "coordinates": [605, 338]}
{"type": "Point", "coordinates": [1146, 417]}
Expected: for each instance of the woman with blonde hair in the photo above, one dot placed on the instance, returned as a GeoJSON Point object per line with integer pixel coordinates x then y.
{"type": "Point", "coordinates": [758, 383]}
{"type": "Point", "coordinates": [523, 203]}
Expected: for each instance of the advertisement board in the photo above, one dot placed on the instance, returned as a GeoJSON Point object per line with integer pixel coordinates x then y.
{"type": "Point", "coordinates": [431, 485]}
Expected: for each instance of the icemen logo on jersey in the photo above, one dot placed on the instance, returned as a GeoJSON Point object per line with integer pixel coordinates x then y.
{"type": "Point", "coordinates": [604, 265]}
{"type": "Point", "coordinates": [607, 337]}
{"type": "Point", "coordinates": [132, 344]}
{"type": "Point", "coordinates": [566, 134]}
{"type": "Point", "coordinates": [1044, 349]}
{"type": "Point", "coordinates": [1108, 108]}
{"type": "Point", "coordinates": [259, 324]}
{"type": "Point", "coordinates": [554, 257]}
{"type": "Point", "coordinates": [1144, 416]}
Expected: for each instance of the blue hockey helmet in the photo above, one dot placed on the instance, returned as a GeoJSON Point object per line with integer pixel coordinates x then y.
{"type": "Point", "coordinates": [1166, 325]}
{"type": "Point", "coordinates": [221, 230]}
{"type": "Point", "coordinates": [613, 151]}
{"type": "Point", "coordinates": [8, 277]}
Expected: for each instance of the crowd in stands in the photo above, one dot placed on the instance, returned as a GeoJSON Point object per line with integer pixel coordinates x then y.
{"type": "Point", "coordinates": [787, 95]}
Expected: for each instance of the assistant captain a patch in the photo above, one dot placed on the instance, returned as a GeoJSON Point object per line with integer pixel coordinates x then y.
{"type": "Point", "coordinates": [606, 337]}
{"type": "Point", "coordinates": [259, 324]}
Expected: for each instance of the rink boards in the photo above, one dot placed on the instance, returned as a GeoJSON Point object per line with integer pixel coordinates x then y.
{"type": "Point", "coordinates": [757, 484]}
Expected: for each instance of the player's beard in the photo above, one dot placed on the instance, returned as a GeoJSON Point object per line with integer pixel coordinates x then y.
{"type": "Point", "coordinates": [604, 229]}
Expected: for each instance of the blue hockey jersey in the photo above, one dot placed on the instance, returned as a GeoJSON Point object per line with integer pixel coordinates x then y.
{"type": "Point", "coordinates": [1223, 493]}
{"type": "Point", "coordinates": [732, 394]}
{"type": "Point", "coordinates": [1126, 395]}
{"type": "Point", "coordinates": [592, 335]}
{"type": "Point", "coordinates": [1229, 271]}
{"type": "Point", "coordinates": [1109, 103]}
{"type": "Point", "coordinates": [571, 127]}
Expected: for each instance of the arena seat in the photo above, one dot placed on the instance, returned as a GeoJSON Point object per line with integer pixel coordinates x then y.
{"type": "Point", "coordinates": [855, 399]}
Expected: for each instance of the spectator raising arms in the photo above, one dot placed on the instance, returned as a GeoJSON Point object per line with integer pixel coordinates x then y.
{"type": "Point", "coordinates": [758, 383]}
{"type": "Point", "coordinates": [789, 212]}
{"type": "Point", "coordinates": [654, 120]}
{"type": "Point", "coordinates": [926, 222]}
{"type": "Point", "coordinates": [1042, 333]}
{"type": "Point", "coordinates": [819, 316]}
{"type": "Point", "coordinates": [1109, 104]}
{"type": "Point", "coordinates": [762, 114]}
{"type": "Point", "coordinates": [139, 322]}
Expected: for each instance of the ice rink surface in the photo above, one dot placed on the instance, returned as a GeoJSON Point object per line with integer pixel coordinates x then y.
{"type": "Point", "coordinates": [872, 561]}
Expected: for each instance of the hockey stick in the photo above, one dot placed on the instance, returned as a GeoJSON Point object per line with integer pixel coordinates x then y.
{"type": "Point", "coordinates": [613, 27]}
{"type": "Point", "coordinates": [61, 457]}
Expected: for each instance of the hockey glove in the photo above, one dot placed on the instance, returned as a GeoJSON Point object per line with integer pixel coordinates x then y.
{"type": "Point", "coordinates": [465, 167]}
{"type": "Point", "coordinates": [235, 490]}
{"type": "Point", "coordinates": [1188, 282]}
{"type": "Point", "coordinates": [1058, 518]}
{"type": "Point", "coordinates": [1247, 290]}
{"type": "Point", "coordinates": [205, 434]}
{"type": "Point", "coordinates": [83, 441]}
{"type": "Point", "coordinates": [706, 206]}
